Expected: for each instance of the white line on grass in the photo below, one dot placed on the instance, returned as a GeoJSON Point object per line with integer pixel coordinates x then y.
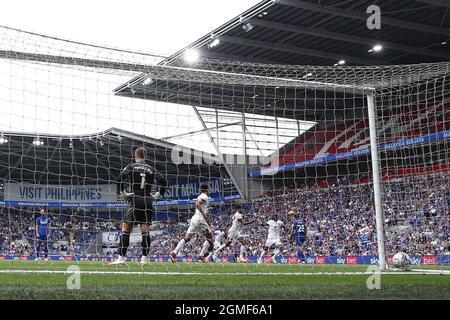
{"type": "Point", "coordinates": [432, 271]}
{"type": "Point", "coordinates": [143, 273]}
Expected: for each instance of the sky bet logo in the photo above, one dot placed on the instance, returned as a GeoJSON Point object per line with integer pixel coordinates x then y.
{"type": "Point", "coordinates": [293, 260]}
{"type": "Point", "coordinates": [415, 261]}
{"type": "Point", "coordinates": [429, 260]}
{"type": "Point", "coordinates": [351, 260]}
{"type": "Point", "coordinates": [310, 260]}
{"type": "Point", "coordinates": [320, 260]}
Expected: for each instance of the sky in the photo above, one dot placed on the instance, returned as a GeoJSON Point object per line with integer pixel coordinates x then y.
{"type": "Point", "coordinates": [161, 27]}
{"type": "Point", "coordinates": [36, 98]}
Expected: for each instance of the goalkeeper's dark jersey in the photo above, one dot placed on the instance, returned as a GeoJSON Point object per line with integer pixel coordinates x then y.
{"type": "Point", "coordinates": [139, 178]}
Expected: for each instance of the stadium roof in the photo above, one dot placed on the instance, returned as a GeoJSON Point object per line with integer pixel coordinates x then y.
{"type": "Point", "coordinates": [323, 32]}
{"type": "Point", "coordinates": [87, 159]}
{"type": "Point", "coordinates": [295, 32]}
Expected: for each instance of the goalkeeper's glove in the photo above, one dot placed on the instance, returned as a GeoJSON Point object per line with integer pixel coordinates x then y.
{"type": "Point", "coordinates": [156, 196]}
{"type": "Point", "coordinates": [126, 195]}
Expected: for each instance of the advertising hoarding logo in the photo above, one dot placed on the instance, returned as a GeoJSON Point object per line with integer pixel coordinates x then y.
{"type": "Point", "coordinates": [320, 260]}
{"type": "Point", "coordinates": [60, 193]}
{"type": "Point", "coordinates": [351, 260]}
{"type": "Point", "coordinates": [415, 260]}
{"type": "Point", "coordinates": [310, 260]}
{"type": "Point", "coordinates": [292, 260]}
{"type": "Point", "coordinates": [390, 260]}
{"type": "Point", "coordinates": [267, 259]}
{"type": "Point", "coordinates": [429, 260]}
{"type": "Point", "coordinates": [340, 260]}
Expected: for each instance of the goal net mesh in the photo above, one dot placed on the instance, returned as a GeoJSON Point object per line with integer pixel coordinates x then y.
{"type": "Point", "coordinates": [272, 139]}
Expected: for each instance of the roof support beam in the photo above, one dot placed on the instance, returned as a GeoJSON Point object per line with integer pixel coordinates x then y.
{"type": "Point", "coordinates": [199, 131]}
{"type": "Point", "coordinates": [219, 154]}
{"type": "Point", "coordinates": [231, 57]}
{"type": "Point", "coordinates": [308, 52]}
{"type": "Point", "coordinates": [363, 16]}
{"type": "Point", "coordinates": [349, 38]}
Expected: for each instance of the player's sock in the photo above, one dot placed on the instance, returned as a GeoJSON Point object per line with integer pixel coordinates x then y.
{"type": "Point", "coordinates": [242, 251]}
{"type": "Point", "coordinates": [276, 252]}
{"type": "Point", "coordinates": [145, 243]}
{"type": "Point", "coordinates": [180, 246]}
{"type": "Point", "coordinates": [124, 243]}
{"type": "Point", "coordinates": [263, 252]}
{"type": "Point", "coordinates": [205, 248]}
{"type": "Point", "coordinates": [220, 248]}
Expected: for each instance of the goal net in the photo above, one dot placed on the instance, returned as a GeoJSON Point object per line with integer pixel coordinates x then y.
{"type": "Point", "coordinates": [345, 165]}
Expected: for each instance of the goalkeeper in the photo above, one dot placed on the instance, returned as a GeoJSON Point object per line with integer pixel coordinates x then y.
{"type": "Point", "coordinates": [136, 183]}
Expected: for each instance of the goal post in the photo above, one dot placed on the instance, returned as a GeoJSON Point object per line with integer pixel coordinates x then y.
{"type": "Point", "coordinates": [376, 182]}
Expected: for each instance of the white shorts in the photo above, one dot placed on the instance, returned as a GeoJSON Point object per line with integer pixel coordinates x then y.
{"type": "Point", "coordinates": [272, 241]}
{"type": "Point", "coordinates": [234, 234]}
{"type": "Point", "coordinates": [197, 226]}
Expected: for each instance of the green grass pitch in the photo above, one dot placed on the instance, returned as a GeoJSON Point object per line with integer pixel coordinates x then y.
{"type": "Point", "coordinates": [48, 280]}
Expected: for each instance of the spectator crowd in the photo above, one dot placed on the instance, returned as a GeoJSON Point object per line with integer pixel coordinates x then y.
{"type": "Point", "coordinates": [339, 218]}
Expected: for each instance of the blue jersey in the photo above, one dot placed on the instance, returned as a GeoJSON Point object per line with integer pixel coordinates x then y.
{"type": "Point", "coordinates": [299, 231]}
{"type": "Point", "coordinates": [43, 223]}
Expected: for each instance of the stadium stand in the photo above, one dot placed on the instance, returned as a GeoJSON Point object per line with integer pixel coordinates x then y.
{"type": "Point", "coordinates": [339, 219]}
{"type": "Point", "coordinates": [353, 135]}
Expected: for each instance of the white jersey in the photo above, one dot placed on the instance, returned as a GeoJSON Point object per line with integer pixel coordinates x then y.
{"type": "Point", "coordinates": [219, 236]}
{"type": "Point", "coordinates": [274, 229]}
{"type": "Point", "coordinates": [198, 215]}
{"type": "Point", "coordinates": [198, 223]}
{"type": "Point", "coordinates": [237, 222]}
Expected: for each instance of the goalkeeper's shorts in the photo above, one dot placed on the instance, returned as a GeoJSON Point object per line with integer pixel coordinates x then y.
{"type": "Point", "coordinates": [140, 211]}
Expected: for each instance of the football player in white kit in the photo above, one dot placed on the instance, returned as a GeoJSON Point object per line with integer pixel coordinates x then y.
{"type": "Point", "coordinates": [198, 224]}
{"type": "Point", "coordinates": [235, 233]}
{"type": "Point", "coordinates": [220, 237]}
{"type": "Point", "coordinates": [273, 238]}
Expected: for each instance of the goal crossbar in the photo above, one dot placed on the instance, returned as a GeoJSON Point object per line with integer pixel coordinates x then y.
{"type": "Point", "coordinates": [186, 74]}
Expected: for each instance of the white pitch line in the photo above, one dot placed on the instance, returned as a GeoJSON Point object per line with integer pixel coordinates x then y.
{"type": "Point", "coordinates": [433, 271]}
{"type": "Point", "coordinates": [415, 272]}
